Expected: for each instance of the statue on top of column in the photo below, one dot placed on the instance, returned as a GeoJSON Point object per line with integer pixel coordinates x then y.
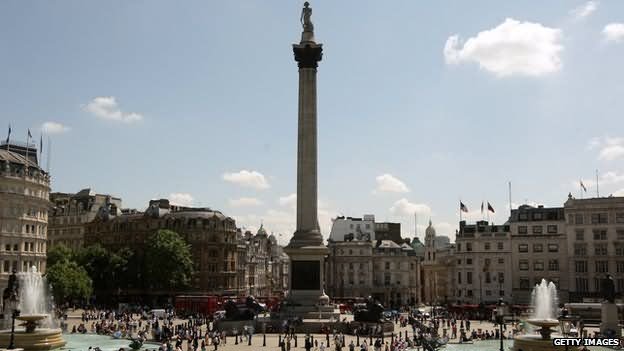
{"type": "Point", "coordinates": [306, 13]}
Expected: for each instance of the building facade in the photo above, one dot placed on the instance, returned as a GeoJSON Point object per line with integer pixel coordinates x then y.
{"type": "Point", "coordinates": [538, 250]}
{"type": "Point", "coordinates": [24, 194]}
{"type": "Point", "coordinates": [210, 234]}
{"type": "Point", "coordinates": [595, 232]}
{"type": "Point", "coordinates": [70, 213]}
{"type": "Point", "coordinates": [483, 263]}
{"type": "Point", "coordinates": [367, 259]}
{"type": "Point", "coordinates": [438, 267]}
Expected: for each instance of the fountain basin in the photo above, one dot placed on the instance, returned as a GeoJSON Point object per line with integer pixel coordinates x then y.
{"type": "Point", "coordinates": [41, 339]}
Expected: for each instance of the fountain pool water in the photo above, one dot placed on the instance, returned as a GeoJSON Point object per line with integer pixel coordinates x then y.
{"type": "Point", "coordinates": [36, 315]}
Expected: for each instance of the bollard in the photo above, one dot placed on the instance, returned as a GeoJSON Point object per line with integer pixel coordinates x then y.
{"type": "Point", "coordinates": [392, 337]}
{"type": "Point", "coordinates": [295, 340]}
{"type": "Point", "coordinates": [249, 340]}
{"type": "Point", "coordinates": [358, 339]}
{"type": "Point", "coordinates": [279, 340]}
{"type": "Point", "coordinates": [264, 339]}
{"type": "Point", "coordinates": [235, 339]}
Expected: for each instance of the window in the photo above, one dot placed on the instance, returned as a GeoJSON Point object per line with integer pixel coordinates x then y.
{"type": "Point", "coordinates": [580, 235]}
{"type": "Point", "coordinates": [537, 229]}
{"type": "Point", "coordinates": [580, 266]}
{"type": "Point", "coordinates": [469, 261]}
{"type": "Point", "coordinates": [486, 246]}
{"type": "Point", "coordinates": [537, 216]}
{"type": "Point", "coordinates": [599, 218]}
{"type": "Point", "coordinates": [578, 219]}
{"type": "Point", "coordinates": [468, 246]}
{"type": "Point", "coordinates": [551, 229]}
{"type": "Point", "coordinates": [524, 283]}
{"type": "Point", "coordinates": [553, 265]}
{"type": "Point", "coordinates": [501, 277]}
{"type": "Point", "coordinates": [582, 285]}
{"type": "Point", "coordinates": [499, 245]}
{"type": "Point", "coordinates": [619, 217]}
{"type": "Point", "coordinates": [619, 250]}
{"type": "Point", "coordinates": [522, 229]}
{"type": "Point", "coordinates": [523, 216]}
{"type": "Point", "coordinates": [620, 234]}
{"type": "Point", "coordinates": [600, 234]}
{"type": "Point", "coordinates": [523, 248]}
{"type": "Point", "coordinates": [600, 249]}
{"type": "Point", "coordinates": [538, 265]}
{"type": "Point", "coordinates": [387, 265]}
{"type": "Point", "coordinates": [524, 265]}
{"type": "Point", "coordinates": [488, 278]}
{"type": "Point", "coordinates": [501, 261]}
{"type": "Point", "coordinates": [459, 247]}
{"type": "Point", "coordinates": [538, 248]}
{"type": "Point", "coordinates": [580, 250]}
{"type": "Point", "coordinates": [459, 261]}
{"type": "Point", "coordinates": [469, 277]}
{"type": "Point", "coordinates": [602, 266]}
{"type": "Point", "coordinates": [7, 247]}
{"type": "Point", "coordinates": [459, 278]}
{"type": "Point", "coordinates": [488, 293]}
{"type": "Point", "coordinates": [469, 293]}
{"type": "Point", "coordinates": [553, 248]}
{"type": "Point", "coordinates": [619, 266]}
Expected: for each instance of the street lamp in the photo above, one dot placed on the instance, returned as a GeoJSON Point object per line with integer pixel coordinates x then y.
{"type": "Point", "coordinates": [500, 314]}
{"type": "Point", "coordinates": [14, 315]}
{"type": "Point", "coordinates": [565, 323]}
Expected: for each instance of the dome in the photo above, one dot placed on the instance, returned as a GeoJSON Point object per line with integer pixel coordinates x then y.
{"type": "Point", "coordinates": [261, 231]}
{"type": "Point", "coordinates": [430, 230]}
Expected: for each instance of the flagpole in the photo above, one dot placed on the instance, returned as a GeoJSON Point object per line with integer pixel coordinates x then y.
{"type": "Point", "coordinates": [460, 210]}
{"type": "Point", "coordinates": [510, 198]}
{"type": "Point", "coordinates": [597, 185]}
{"type": "Point", "coordinates": [581, 188]}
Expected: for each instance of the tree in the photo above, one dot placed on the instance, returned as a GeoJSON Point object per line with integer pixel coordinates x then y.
{"type": "Point", "coordinates": [59, 253]}
{"type": "Point", "coordinates": [168, 263]}
{"type": "Point", "coordinates": [107, 269]}
{"type": "Point", "coordinates": [69, 281]}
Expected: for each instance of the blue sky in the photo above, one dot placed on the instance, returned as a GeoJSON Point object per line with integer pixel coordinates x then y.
{"type": "Point", "coordinates": [420, 103]}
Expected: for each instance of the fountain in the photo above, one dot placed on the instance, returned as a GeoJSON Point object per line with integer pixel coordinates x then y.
{"type": "Point", "coordinates": [27, 293]}
{"type": "Point", "coordinates": [545, 304]}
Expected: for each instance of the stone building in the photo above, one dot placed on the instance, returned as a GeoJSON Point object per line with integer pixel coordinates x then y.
{"type": "Point", "coordinates": [438, 279]}
{"type": "Point", "coordinates": [211, 235]}
{"type": "Point", "coordinates": [595, 232]}
{"type": "Point", "coordinates": [71, 212]}
{"type": "Point", "coordinates": [538, 250]}
{"type": "Point", "coordinates": [483, 263]}
{"type": "Point", "coordinates": [358, 266]}
{"type": "Point", "coordinates": [24, 194]}
{"type": "Point", "coordinates": [264, 265]}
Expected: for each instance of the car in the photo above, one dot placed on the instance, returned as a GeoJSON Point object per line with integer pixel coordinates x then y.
{"type": "Point", "coordinates": [218, 315]}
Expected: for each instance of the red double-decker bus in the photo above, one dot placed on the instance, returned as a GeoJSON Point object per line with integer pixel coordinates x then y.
{"type": "Point", "coordinates": [198, 304]}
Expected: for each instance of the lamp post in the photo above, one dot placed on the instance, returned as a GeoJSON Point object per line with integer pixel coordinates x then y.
{"type": "Point", "coordinates": [565, 321]}
{"type": "Point", "coordinates": [500, 313]}
{"type": "Point", "coordinates": [14, 315]}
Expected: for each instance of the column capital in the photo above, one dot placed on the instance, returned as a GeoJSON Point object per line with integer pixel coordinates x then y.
{"type": "Point", "coordinates": [308, 55]}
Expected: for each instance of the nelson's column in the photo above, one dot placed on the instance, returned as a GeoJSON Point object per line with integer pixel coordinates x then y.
{"type": "Point", "coordinates": [306, 250]}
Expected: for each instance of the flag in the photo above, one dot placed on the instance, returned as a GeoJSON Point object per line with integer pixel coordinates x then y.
{"type": "Point", "coordinates": [463, 207]}
{"type": "Point", "coordinates": [40, 144]}
{"type": "Point", "coordinates": [583, 186]}
{"type": "Point", "coordinates": [481, 207]}
{"type": "Point", "coordinates": [9, 135]}
{"type": "Point", "coordinates": [490, 208]}
{"type": "Point", "coordinates": [29, 135]}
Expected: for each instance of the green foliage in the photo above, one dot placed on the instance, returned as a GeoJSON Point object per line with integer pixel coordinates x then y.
{"type": "Point", "coordinates": [59, 253]}
{"type": "Point", "coordinates": [168, 263]}
{"type": "Point", "coordinates": [103, 266]}
{"type": "Point", "coordinates": [69, 281]}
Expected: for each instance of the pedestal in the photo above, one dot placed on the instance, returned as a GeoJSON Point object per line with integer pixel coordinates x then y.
{"type": "Point", "coordinates": [609, 320]}
{"type": "Point", "coordinates": [306, 275]}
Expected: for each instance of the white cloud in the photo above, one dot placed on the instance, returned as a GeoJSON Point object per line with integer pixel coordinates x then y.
{"type": "Point", "coordinates": [389, 183]}
{"type": "Point", "coordinates": [106, 107]}
{"type": "Point", "coordinates": [54, 128]}
{"type": "Point", "coordinates": [405, 208]}
{"type": "Point", "coordinates": [585, 10]}
{"type": "Point", "coordinates": [511, 48]}
{"type": "Point", "coordinates": [619, 192]}
{"type": "Point", "coordinates": [610, 148]}
{"type": "Point", "coordinates": [181, 199]}
{"type": "Point", "coordinates": [245, 202]}
{"type": "Point", "coordinates": [288, 200]}
{"type": "Point", "coordinates": [614, 32]}
{"type": "Point", "coordinates": [285, 221]}
{"type": "Point", "coordinates": [251, 179]}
